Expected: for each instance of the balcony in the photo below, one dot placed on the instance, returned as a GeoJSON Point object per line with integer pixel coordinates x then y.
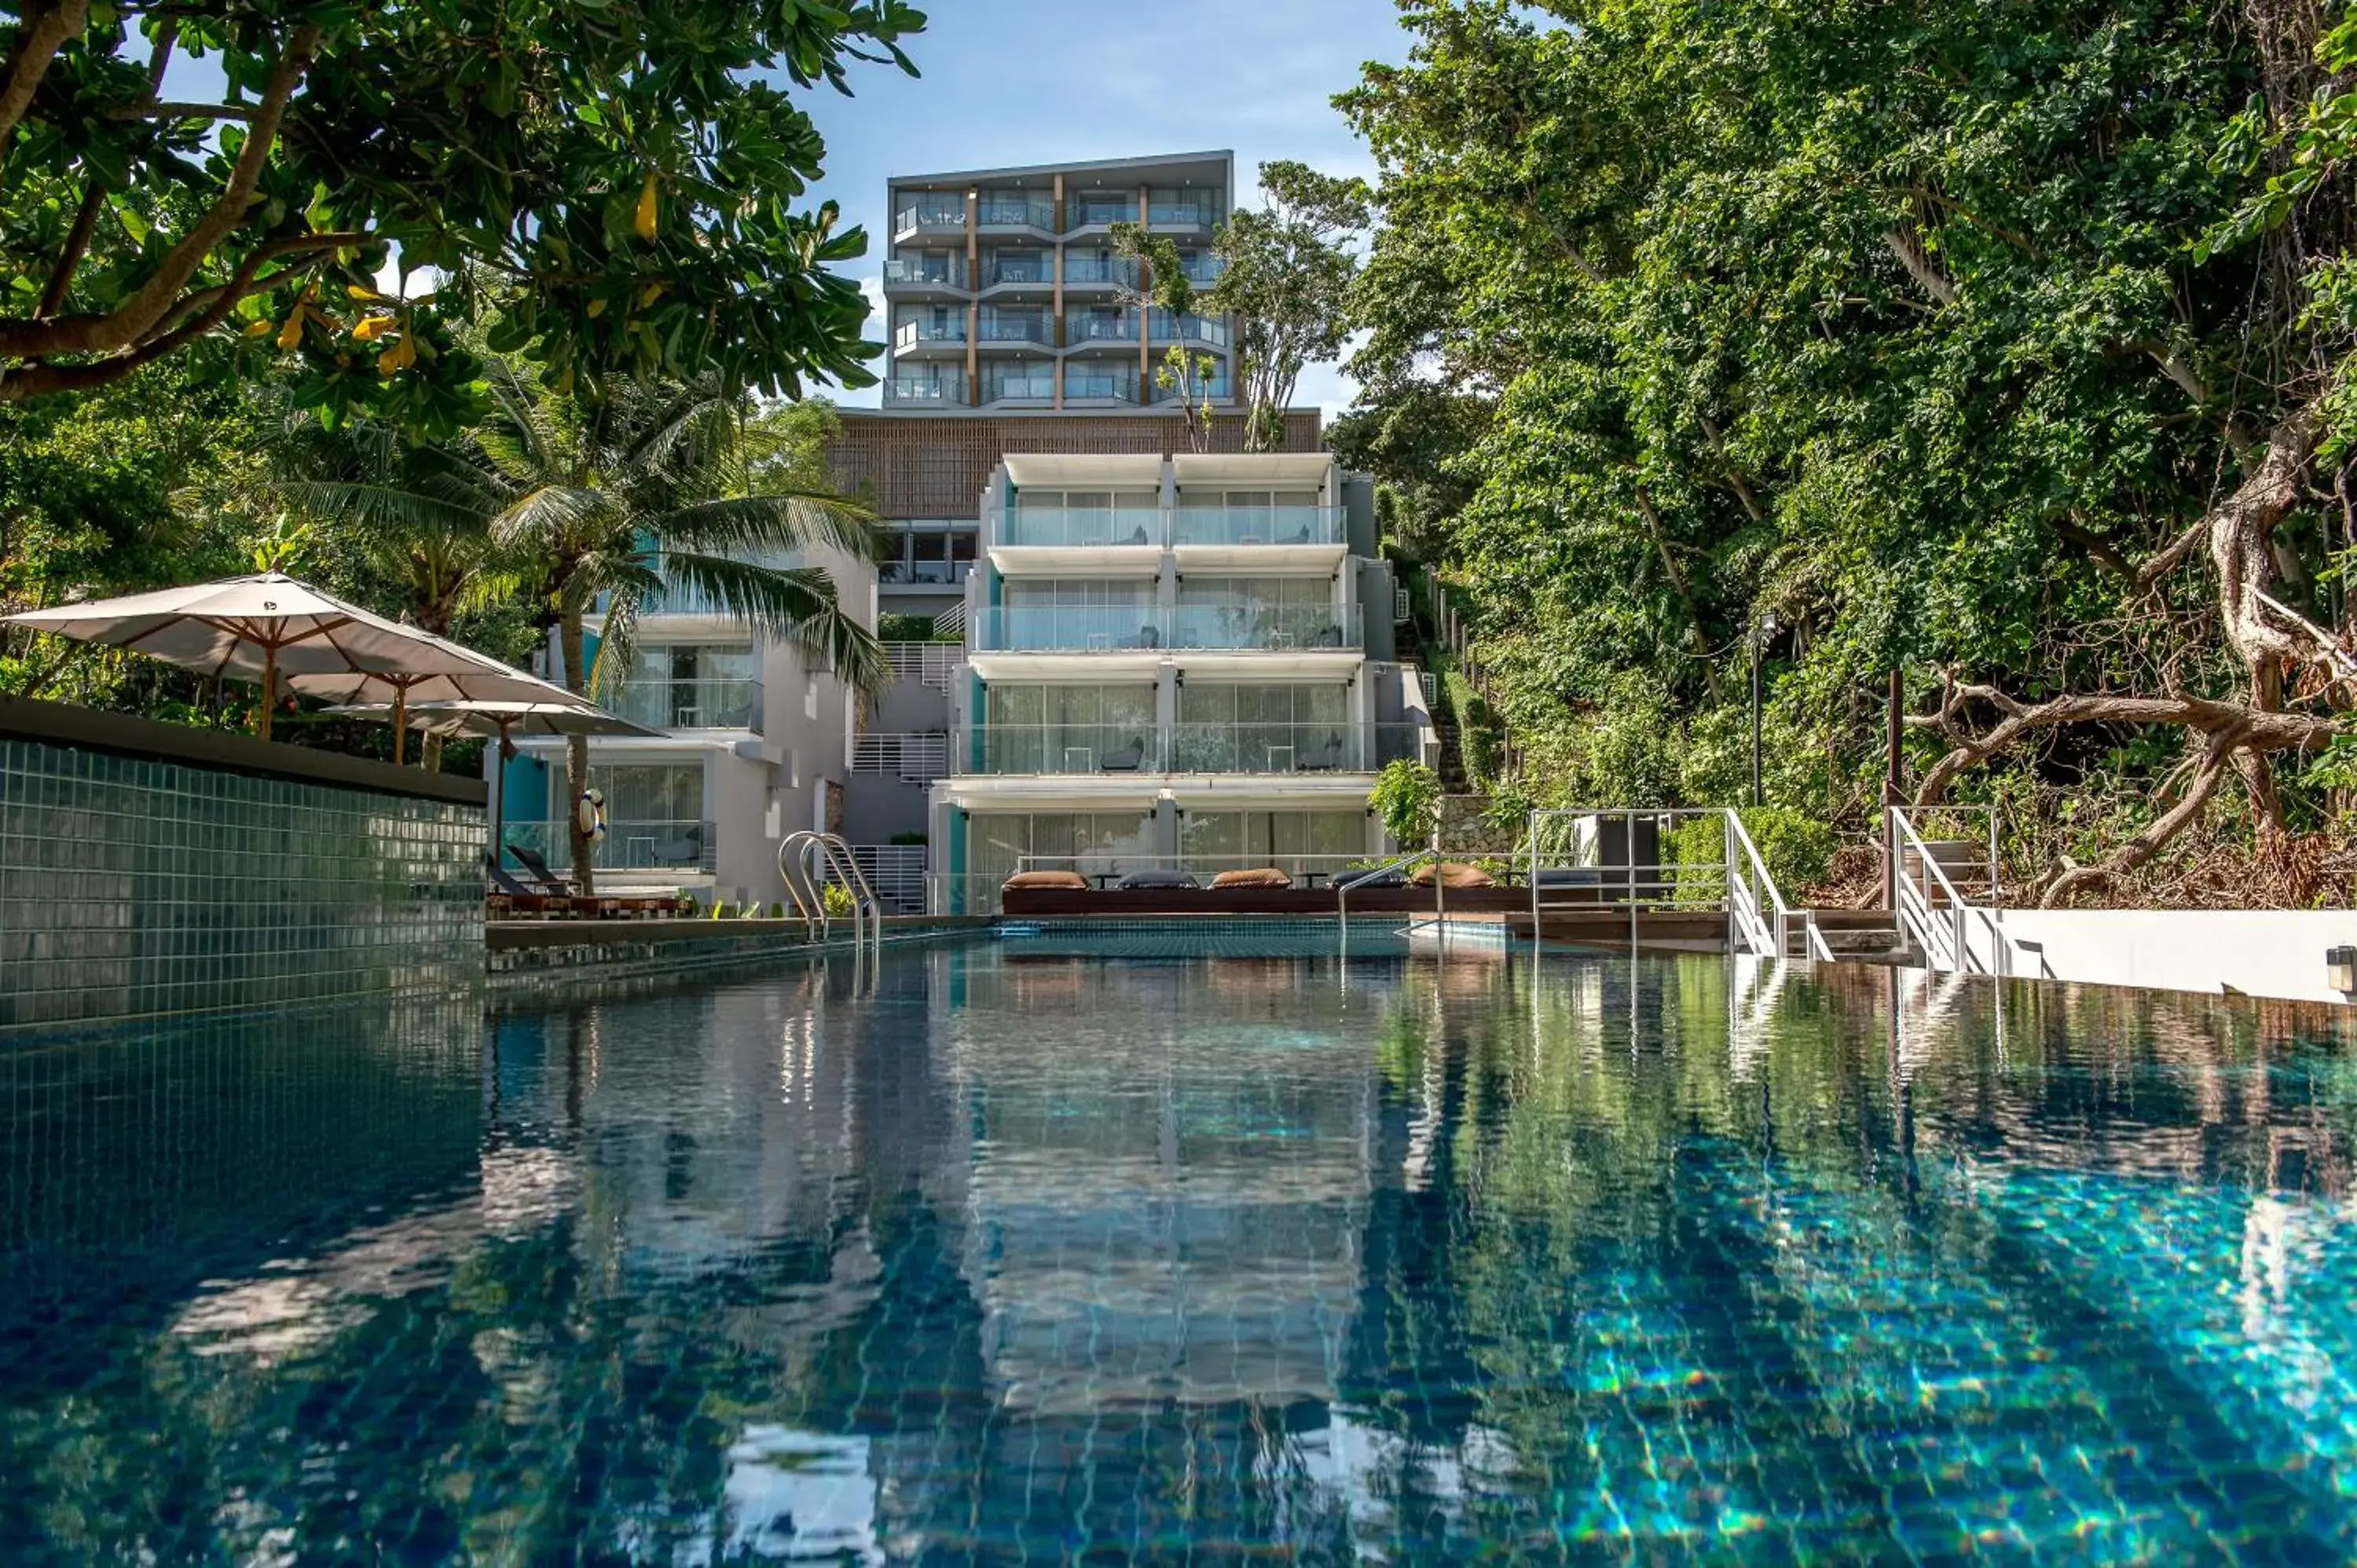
{"type": "Point", "coordinates": [1195, 331]}
{"type": "Point", "coordinates": [914, 337]}
{"type": "Point", "coordinates": [680, 848]}
{"type": "Point", "coordinates": [943, 388]}
{"type": "Point", "coordinates": [1097, 207]}
{"type": "Point", "coordinates": [702, 701]}
{"type": "Point", "coordinates": [1027, 269]}
{"type": "Point", "coordinates": [928, 574]}
{"type": "Point", "coordinates": [1024, 328]}
{"type": "Point", "coordinates": [1177, 209]}
{"type": "Point", "coordinates": [928, 271]}
{"type": "Point", "coordinates": [928, 215]}
{"type": "Point", "coordinates": [997, 748]}
{"type": "Point", "coordinates": [1083, 383]}
{"type": "Point", "coordinates": [1082, 328]}
{"type": "Point", "coordinates": [1066, 629]}
{"type": "Point", "coordinates": [1202, 268]}
{"type": "Point", "coordinates": [1245, 623]}
{"type": "Point", "coordinates": [1297, 747]}
{"type": "Point", "coordinates": [1010, 210]}
{"type": "Point", "coordinates": [1023, 384]}
{"type": "Point", "coordinates": [1088, 271]}
{"type": "Point", "coordinates": [1242, 525]}
{"type": "Point", "coordinates": [1083, 528]}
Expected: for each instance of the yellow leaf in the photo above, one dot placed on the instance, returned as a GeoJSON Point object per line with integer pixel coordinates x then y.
{"type": "Point", "coordinates": [649, 295]}
{"type": "Point", "coordinates": [372, 328]}
{"type": "Point", "coordinates": [596, 308]}
{"type": "Point", "coordinates": [646, 219]}
{"type": "Point", "coordinates": [565, 383]}
{"type": "Point", "coordinates": [398, 358]}
{"type": "Point", "coordinates": [258, 328]}
{"type": "Point", "coordinates": [354, 291]}
{"type": "Point", "coordinates": [290, 337]}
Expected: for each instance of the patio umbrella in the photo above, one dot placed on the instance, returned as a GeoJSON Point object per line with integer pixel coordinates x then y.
{"type": "Point", "coordinates": [491, 716]}
{"type": "Point", "coordinates": [260, 627]}
{"type": "Point", "coordinates": [446, 673]}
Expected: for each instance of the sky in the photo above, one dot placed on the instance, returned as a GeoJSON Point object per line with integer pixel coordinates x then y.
{"type": "Point", "coordinates": [1035, 82]}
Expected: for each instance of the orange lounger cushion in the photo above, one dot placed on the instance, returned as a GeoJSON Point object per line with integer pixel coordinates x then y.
{"type": "Point", "coordinates": [1267, 876]}
{"type": "Point", "coordinates": [1454, 874]}
{"type": "Point", "coordinates": [1067, 879]}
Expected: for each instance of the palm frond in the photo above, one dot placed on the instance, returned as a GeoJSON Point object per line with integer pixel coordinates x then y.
{"type": "Point", "coordinates": [556, 515]}
{"type": "Point", "coordinates": [383, 506]}
{"type": "Point", "coordinates": [774, 524]}
{"type": "Point", "coordinates": [798, 605]}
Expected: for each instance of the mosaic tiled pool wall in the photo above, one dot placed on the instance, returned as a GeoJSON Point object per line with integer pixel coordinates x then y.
{"type": "Point", "coordinates": [138, 887]}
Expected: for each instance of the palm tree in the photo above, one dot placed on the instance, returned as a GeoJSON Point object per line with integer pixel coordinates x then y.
{"type": "Point", "coordinates": [654, 492]}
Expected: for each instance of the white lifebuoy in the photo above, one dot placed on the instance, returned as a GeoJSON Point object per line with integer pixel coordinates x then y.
{"type": "Point", "coordinates": [589, 811]}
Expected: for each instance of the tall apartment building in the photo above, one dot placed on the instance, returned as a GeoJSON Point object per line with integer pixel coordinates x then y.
{"type": "Point", "coordinates": [1170, 661]}
{"type": "Point", "coordinates": [1010, 329]}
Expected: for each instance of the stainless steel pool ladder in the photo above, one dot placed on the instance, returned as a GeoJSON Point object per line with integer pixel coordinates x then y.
{"type": "Point", "coordinates": [1343, 890]}
{"type": "Point", "coordinates": [802, 853]}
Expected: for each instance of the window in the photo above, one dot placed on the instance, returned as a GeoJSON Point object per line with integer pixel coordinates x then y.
{"type": "Point", "coordinates": [692, 685]}
{"type": "Point", "coordinates": [1259, 612]}
{"type": "Point", "coordinates": [1299, 842]}
{"type": "Point", "coordinates": [638, 792]}
{"type": "Point", "coordinates": [1228, 728]}
{"type": "Point", "coordinates": [1070, 729]}
{"type": "Point", "coordinates": [1091, 843]}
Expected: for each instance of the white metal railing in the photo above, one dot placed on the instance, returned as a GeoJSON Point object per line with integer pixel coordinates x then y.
{"type": "Point", "coordinates": [929, 663]}
{"type": "Point", "coordinates": [1630, 859]}
{"type": "Point", "coordinates": [1933, 913]}
{"type": "Point", "coordinates": [913, 758]}
{"type": "Point", "coordinates": [897, 872]}
{"type": "Point", "coordinates": [1756, 908]}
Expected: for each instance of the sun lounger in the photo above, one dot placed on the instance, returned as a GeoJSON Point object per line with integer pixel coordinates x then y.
{"type": "Point", "coordinates": [1128, 759]}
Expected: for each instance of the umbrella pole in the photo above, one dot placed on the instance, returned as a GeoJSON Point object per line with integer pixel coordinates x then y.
{"type": "Point", "coordinates": [498, 783]}
{"type": "Point", "coordinates": [400, 722]}
{"type": "Point", "coordinates": [269, 690]}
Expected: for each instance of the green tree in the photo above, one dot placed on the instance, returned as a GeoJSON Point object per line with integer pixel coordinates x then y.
{"type": "Point", "coordinates": [615, 179]}
{"type": "Point", "coordinates": [653, 490]}
{"type": "Point", "coordinates": [1286, 281]}
{"type": "Point", "coordinates": [1718, 312]}
{"type": "Point", "coordinates": [1161, 283]}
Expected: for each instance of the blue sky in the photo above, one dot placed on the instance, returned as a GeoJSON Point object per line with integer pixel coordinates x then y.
{"type": "Point", "coordinates": [1035, 82]}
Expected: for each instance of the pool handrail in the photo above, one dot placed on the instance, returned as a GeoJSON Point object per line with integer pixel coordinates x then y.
{"type": "Point", "coordinates": [1399, 866]}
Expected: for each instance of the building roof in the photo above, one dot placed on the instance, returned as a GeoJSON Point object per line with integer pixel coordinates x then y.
{"type": "Point", "coordinates": [1251, 467]}
{"type": "Point", "coordinates": [1219, 164]}
{"type": "Point", "coordinates": [1142, 471]}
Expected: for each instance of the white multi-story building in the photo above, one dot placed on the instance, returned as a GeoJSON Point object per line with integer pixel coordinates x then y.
{"type": "Point", "coordinates": [755, 745]}
{"type": "Point", "coordinates": [1180, 662]}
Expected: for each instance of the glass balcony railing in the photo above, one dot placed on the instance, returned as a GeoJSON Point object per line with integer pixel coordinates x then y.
{"type": "Point", "coordinates": [1058, 749]}
{"type": "Point", "coordinates": [946, 388]}
{"type": "Point", "coordinates": [939, 212]}
{"type": "Point", "coordinates": [928, 573]}
{"type": "Point", "coordinates": [683, 847]}
{"type": "Point", "coordinates": [1087, 269]}
{"type": "Point", "coordinates": [1179, 214]}
{"type": "Point", "coordinates": [1033, 328]}
{"type": "Point", "coordinates": [1297, 747]}
{"type": "Point", "coordinates": [1237, 623]}
{"type": "Point", "coordinates": [1209, 330]}
{"type": "Point", "coordinates": [1081, 527]}
{"type": "Point", "coordinates": [1256, 525]}
{"type": "Point", "coordinates": [1025, 269]}
{"type": "Point", "coordinates": [1020, 386]}
{"type": "Point", "coordinates": [911, 334]}
{"type": "Point", "coordinates": [1084, 327]}
{"type": "Point", "coordinates": [1009, 211]}
{"type": "Point", "coordinates": [944, 272]}
{"type": "Point", "coordinates": [1203, 269]}
{"type": "Point", "coordinates": [1102, 206]}
{"type": "Point", "coordinates": [705, 702]}
{"type": "Point", "coordinates": [1067, 629]}
{"type": "Point", "coordinates": [1099, 386]}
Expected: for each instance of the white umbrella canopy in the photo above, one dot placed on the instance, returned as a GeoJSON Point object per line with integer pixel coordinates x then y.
{"type": "Point", "coordinates": [460, 676]}
{"type": "Point", "coordinates": [267, 626]}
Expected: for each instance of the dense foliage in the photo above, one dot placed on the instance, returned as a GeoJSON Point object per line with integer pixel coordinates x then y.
{"type": "Point", "coordinates": [613, 182]}
{"type": "Point", "coordinates": [1994, 343]}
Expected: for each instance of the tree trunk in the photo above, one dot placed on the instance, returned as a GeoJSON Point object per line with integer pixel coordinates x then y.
{"type": "Point", "coordinates": [576, 752]}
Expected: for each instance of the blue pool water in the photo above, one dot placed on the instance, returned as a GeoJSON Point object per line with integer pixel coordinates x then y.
{"type": "Point", "coordinates": [1139, 1248]}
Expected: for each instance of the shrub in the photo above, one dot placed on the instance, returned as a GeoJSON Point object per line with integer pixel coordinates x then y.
{"type": "Point", "coordinates": [908, 838]}
{"type": "Point", "coordinates": [838, 901]}
{"type": "Point", "coordinates": [1407, 796]}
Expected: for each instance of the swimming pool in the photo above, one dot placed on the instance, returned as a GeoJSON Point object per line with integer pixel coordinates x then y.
{"type": "Point", "coordinates": [1070, 1248]}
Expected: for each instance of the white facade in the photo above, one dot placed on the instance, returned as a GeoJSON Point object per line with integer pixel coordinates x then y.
{"type": "Point", "coordinates": [1167, 667]}
{"type": "Point", "coordinates": [755, 746]}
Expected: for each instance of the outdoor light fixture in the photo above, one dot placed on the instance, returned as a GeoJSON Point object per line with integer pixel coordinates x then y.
{"type": "Point", "coordinates": [2340, 968]}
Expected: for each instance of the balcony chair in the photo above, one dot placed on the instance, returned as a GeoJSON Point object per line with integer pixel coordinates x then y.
{"type": "Point", "coordinates": [1330, 638]}
{"type": "Point", "coordinates": [687, 849]}
{"type": "Point", "coordinates": [1139, 537]}
{"type": "Point", "coordinates": [1326, 758]}
{"type": "Point", "coordinates": [544, 879]}
{"type": "Point", "coordinates": [1128, 759]}
{"type": "Point", "coordinates": [1300, 538]}
{"type": "Point", "coordinates": [1148, 637]}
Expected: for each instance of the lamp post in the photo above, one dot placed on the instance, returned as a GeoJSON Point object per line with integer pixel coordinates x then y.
{"type": "Point", "coordinates": [1761, 633]}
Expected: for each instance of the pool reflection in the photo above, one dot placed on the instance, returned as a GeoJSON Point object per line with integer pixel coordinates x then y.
{"type": "Point", "coordinates": [1033, 1255]}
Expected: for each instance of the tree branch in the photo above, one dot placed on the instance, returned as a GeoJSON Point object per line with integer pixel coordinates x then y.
{"type": "Point", "coordinates": [40, 31]}
{"type": "Point", "coordinates": [162, 109]}
{"type": "Point", "coordinates": [139, 315]}
{"type": "Point", "coordinates": [69, 254]}
{"type": "Point", "coordinates": [2212, 772]}
{"type": "Point", "coordinates": [1909, 249]}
